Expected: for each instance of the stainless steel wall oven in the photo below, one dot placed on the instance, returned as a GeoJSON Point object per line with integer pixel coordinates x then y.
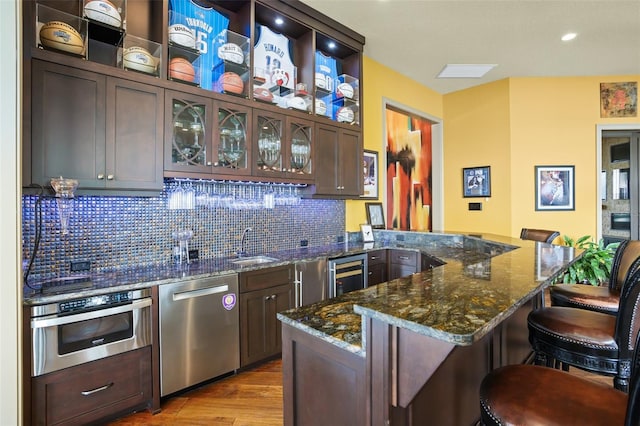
{"type": "Point", "coordinates": [76, 331]}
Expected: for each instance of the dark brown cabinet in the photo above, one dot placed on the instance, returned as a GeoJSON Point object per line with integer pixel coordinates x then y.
{"type": "Point", "coordinates": [95, 391]}
{"type": "Point", "coordinates": [402, 263]}
{"type": "Point", "coordinates": [263, 293]}
{"type": "Point", "coordinates": [377, 267]}
{"type": "Point", "coordinates": [339, 162]}
{"type": "Point", "coordinates": [105, 132]}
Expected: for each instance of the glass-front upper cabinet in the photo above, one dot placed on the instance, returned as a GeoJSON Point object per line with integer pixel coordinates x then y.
{"type": "Point", "coordinates": [300, 148]}
{"type": "Point", "coordinates": [232, 139]}
{"type": "Point", "coordinates": [188, 133]}
{"type": "Point", "coordinates": [268, 143]}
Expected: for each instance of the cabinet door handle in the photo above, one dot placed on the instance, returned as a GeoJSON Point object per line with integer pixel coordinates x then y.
{"type": "Point", "coordinates": [100, 176]}
{"type": "Point", "coordinates": [374, 257]}
{"type": "Point", "coordinates": [403, 257]}
{"type": "Point", "coordinates": [209, 163]}
{"type": "Point", "coordinates": [109, 177]}
{"type": "Point", "coordinates": [100, 389]}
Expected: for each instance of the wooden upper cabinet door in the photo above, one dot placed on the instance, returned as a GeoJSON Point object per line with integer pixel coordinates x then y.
{"type": "Point", "coordinates": [68, 125]}
{"type": "Point", "coordinates": [134, 135]}
{"type": "Point", "coordinates": [327, 157]}
{"type": "Point", "coordinates": [351, 163]}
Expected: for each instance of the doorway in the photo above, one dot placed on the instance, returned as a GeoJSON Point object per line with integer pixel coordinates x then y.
{"type": "Point", "coordinates": [619, 191]}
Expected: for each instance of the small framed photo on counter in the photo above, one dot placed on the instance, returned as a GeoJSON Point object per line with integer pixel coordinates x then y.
{"type": "Point", "coordinates": [375, 215]}
{"type": "Point", "coordinates": [367, 233]}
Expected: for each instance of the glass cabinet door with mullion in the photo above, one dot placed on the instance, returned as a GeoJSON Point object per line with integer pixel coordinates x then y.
{"type": "Point", "coordinates": [188, 133]}
{"type": "Point", "coordinates": [300, 149]}
{"type": "Point", "coordinates": [233, 154]}
{"type": "Point", "coordinates": [269, 144]}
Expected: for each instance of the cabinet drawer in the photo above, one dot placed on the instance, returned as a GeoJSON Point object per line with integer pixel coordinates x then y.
{"type": "Point", "coordinates": [404, 257]}
{"type": "Point", "coordinates": [377, 257]}
{"type": "Point", "coordinates": [93, 391]}
{"type": "Point", "coordinates": [265, 278]}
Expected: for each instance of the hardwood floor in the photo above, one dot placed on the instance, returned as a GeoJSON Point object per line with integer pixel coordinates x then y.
{"type": "Point", "coordinates": [251, 398]}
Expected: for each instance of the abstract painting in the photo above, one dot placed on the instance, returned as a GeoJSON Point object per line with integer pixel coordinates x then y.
{"type": "Point", "coordinates": [409, 171]}
{"type": "Point", "coordinates": [619, 99]}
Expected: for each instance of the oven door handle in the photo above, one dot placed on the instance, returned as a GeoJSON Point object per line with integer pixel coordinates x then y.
{"type": "Point", "coordinates": [67, 319]}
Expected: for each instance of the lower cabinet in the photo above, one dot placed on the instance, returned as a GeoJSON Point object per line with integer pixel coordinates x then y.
{"type": "Point", "coordinates": [403, 263]}
{"type": "Point", "coordinates": [95, 391]}
{"type": "Point", "coordinates": [263, 293]}
{"type": "Point", "coordinates": [376, 267]}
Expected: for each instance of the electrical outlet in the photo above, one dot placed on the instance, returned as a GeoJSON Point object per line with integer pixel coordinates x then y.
{"type": "Point", "coordinates": [475, 206]}
{"type": "Point", "coordinates": [80, 265]}
{"type": "Point", "coordinates": [304, 243]}
{"type": "Point", "coordinates": [340, 239]}
{"type": "Point", "coordinates": [399, 237]}
{"type": "Point", "coordinates": [194, 254]}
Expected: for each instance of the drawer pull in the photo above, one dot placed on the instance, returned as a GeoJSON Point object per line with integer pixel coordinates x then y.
{"type": "Point", "coordinates": [404, 257]}
{"type": "Point", "coordinates": [100, 389]}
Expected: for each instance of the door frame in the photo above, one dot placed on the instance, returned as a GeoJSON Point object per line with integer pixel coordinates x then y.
{"type": "Point", "coordinates": [600, 129]}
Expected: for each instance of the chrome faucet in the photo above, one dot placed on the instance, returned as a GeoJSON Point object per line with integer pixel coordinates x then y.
{"type": "Point", "coordinates": [243, 251]}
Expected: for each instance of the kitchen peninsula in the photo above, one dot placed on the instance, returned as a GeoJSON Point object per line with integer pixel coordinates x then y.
{"type": "Point", "coordinates": [413, 350]}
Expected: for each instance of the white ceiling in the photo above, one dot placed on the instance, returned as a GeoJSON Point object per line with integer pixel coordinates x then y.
{"type": "Point", "coordinates": [419, 37]}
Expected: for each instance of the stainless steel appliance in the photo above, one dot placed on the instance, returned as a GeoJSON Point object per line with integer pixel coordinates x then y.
{"type": "Point", "coordinates": [199, 331]}
{"type": "Point", "coordinates": [310, 283]}
{"type": "Point", "coordinates": [347, 274]}
{"type": "Point", "coordinates": [76, 331]}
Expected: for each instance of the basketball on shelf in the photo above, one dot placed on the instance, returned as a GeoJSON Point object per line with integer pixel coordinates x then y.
{"type": "Point", "coordinates": [321, 107]}
{"type": "Point", "coordinates": [182, 35]}
{"type": "Point", "coordinates": [231, 52]}
{"type": "Point", "coordinates": [103, 11]}
{"type": "Point", "coordinates": [344, 90]}
{"type": "Point", "coordinates": [345, 115]}
{"type": "Point", "coordinates": [231, 83]}
{"type": "Point", "coordinates": [61, 36]}
{"type": "Point", "coordinates": [139, 59]}
{"type": "Point", "coordinates": [263, 94]}
{"type": "Point", "coordinates": [182, 69]}
{"type": "Point", "coordinates": [297, 102]}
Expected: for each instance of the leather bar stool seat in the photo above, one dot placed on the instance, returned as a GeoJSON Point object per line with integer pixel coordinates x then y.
{"type": "Point", "coordinates": [589, 340]}
{"type": "Point", "coordinates": [534, 395]}
{"type": "Point", "coordinates": [530, 395]}
{"type": "Point", "coordinates": [542, 235]}
{"type": "Point", "coordinates": [600, 299]}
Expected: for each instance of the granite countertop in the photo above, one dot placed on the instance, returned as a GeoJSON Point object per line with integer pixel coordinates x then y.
{"type": "Point", "coordinates": [479, 286]}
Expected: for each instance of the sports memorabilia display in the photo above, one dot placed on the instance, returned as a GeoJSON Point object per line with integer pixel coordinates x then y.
{"type": "Point", "coordinates": [61, 36]}
{"type": "Point", "coordinates": [182, 35]}
{"type": "Point", "coordinates": [182, 69]}
{"type": "Point", "coordinates": [272, 59]}
{"type": "Point", "coordinates": [206, 23]}
{"type": "Point", "coordinates": [139, 59]}
{"type": "Point", "coordinates": [103, 11]}
{"type": "Point", "coordinates": [326, 71]}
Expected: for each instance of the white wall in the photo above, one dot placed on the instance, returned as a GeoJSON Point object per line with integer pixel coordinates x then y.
{"type": "Point", "coordinates": [10, 284]}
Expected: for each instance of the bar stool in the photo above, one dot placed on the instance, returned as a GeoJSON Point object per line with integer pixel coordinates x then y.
{"type": "Point", "coordinates": [541, 235]}
{"type": "Point", "coordinates": [534, 395]}
{"type": "Point", "coordinates": [598, 298]}
{"type": "Point", "coordinates": [592, 341]}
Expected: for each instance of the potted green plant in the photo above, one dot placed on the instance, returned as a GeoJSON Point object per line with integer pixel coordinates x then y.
{"type": "Point", "coordinates": [594, 265]}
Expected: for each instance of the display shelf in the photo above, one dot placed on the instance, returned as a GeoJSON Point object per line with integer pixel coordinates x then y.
{"type": "Point", "coordinates": [60, 31]}
{"type": "Point", "coordinates": [140, 55]}
{"type": "Point", "coordinates": [110, 13]}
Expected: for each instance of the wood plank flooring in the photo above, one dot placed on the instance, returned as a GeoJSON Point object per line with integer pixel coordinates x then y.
{"type": "Point", "coordinates": [251, 398]}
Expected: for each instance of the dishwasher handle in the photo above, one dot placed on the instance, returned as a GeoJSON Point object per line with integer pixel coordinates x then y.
{"type": "Point", "coordinates": [190, 294]}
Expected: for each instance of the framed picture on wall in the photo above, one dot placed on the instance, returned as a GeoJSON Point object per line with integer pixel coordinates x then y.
{"type": "Point", "coordinates": [370, 170]}
{"type": "Point", "coordinates": [555, 187]}
{"type": "Point", "coordinates": [375, 215]}
{"type": "Point", "coordinates": [476, 181]}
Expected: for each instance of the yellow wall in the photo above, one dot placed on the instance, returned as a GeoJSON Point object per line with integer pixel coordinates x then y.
{"type": "Point", "coordinates": [382, 82]}
{"type": "Point", "coordinates": [511, 125]}
{"type": "Point", "coordinates": [476, 134]}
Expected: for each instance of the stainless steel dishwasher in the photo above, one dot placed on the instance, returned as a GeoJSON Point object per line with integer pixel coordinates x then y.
{"type": "Point", "coordinates": [199, 331]}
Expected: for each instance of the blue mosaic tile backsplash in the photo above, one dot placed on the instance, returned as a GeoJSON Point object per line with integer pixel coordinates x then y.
{"type": "Point", "coordinates": [122, 232]}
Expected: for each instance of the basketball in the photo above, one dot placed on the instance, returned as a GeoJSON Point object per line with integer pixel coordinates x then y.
{"type": "Point", "coordinates": [61, 36]}
{"type": "Point", "coordinates": [263, 94]}
{"type": "Point", "coordinates": [344, 90]}
{"type": "Point", "coordinates": [182, 35]}
{"type": "Point", "coordinates": [103, 11]}
{"type": "Point", "coordinates": [321, 107]}
{"type": "Point", "coordinates": [297, 102]}
{"type": "Point", "coordinates": [231, 52]}
{"type": "Point", "coordinates": [139, 59]}
{"type": "Point", "coordinates": [231, 82]}
{"type": "Point", "coordinates": [345, 115]}
{"type": "Point", "coordinates": [181, 69]}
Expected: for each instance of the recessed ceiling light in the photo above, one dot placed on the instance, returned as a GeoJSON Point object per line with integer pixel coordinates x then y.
{"type": "Point", "coordinates": [465, 70]}
{"type": "Point", "coordinates": [279, 21]}
{"type": "Point", "coordinates": [569, 36]}
{"type": "Point", "coordinates": [332, 45]}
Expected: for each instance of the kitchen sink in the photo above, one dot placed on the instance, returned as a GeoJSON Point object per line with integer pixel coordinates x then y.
{"type": "Point", "coordinates": [253, 260]}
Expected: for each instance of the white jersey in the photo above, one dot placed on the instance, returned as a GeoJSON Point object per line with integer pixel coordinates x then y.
{"type": "Point", "coordinates": [206, 23]}
{"type": "Point", "coordinates": [272, 59]}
